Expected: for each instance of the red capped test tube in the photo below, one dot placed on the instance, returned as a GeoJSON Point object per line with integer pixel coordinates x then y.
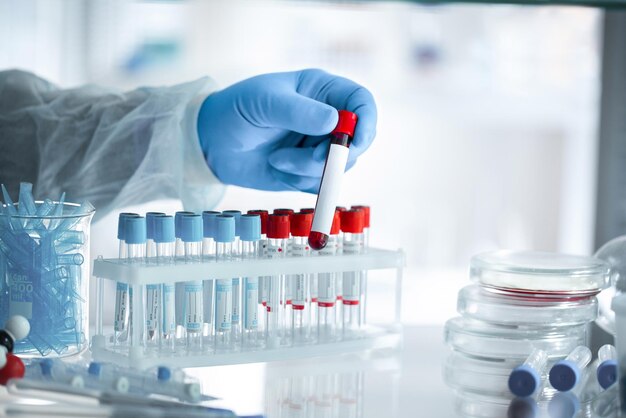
{"type": "Point", "coordinates": [278, 235]}
{"type": "Point", "coordinates": [300, 283]}
{"type": "Point", "coordinates": [352, 222]}
{"type": "Point", "coordinates": [330, 186]}
{"type": "Point", "coordinates": [327, 288]}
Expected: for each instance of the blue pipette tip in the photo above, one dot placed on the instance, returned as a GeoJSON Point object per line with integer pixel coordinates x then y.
{"type": "Point", "coordinates": [524, 381]}
{"type": "Point", "coordinates": [164, 373]}
{"type": "Point", "coordinates": [164, 229]}
{"type": "Point", "coordinates": [564, 375]}
{"type": "Point", "coordinates": [94, 368]}
{"type": "Point", "coordinates": [607, 373]}
{"type": "Point", "coordinates": [208, 221]}
{"type": "Point", "coordinates": [250, 227]}
{"type": "Point", "coordinates": [135, 230]}
{"type": "Point", "coordinates": [191, 228]}
{"type": "Point", "coordinates": [225, 228]}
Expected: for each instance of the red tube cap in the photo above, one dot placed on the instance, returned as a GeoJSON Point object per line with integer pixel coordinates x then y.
{"type": "Point", "coordinates": [301, 224]}
{"type": "Point", "coordinates": [365, 209]}
{"type": "Point", "coordinates": [352, 221]}
{"type": "Point", "coordinates": [264, 216]}
{"type": "Point", "coordinates": [307, 210]}
{"type": "Point", "coordinates": [346, 123]}
{"type": "Point", "coordinates": [284, 211]}
{"type": "Point", "coordinates": [336, 227]}
{"type": "Point", "coordinates": [278, 226]}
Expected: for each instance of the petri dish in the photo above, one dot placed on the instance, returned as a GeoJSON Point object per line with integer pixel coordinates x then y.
{"type": "Point", "coordinates": [540, 274]}
{"type": "Point", "coordinates": [489, 377]}
{"type": "Point", "coordinates": [489, 341]}
{"type": "Point", "coordinates": [516, 309]}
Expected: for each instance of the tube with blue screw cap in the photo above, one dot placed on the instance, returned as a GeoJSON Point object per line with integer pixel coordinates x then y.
{"type": "Point", "coordinates": [153, 291]}
{"type": "Point", "coordinates": [224, 237]}
{"type": "Point", "coordinates": [121, 292]}
{"type": "Point", "coordinates": [208, 254]}
{"type": "Point", "coordinates": [607, 366]}
{"type": "Point", "coordinates": [164, 239]}
{"type": "Point", "coordinates": [191, 235]}
{"type": "Point", "coordinates": [135, 230]}
{"type": "Point", "coordinates": [250, 238]}
{"type": "Point", "coordinates": [525, 379]}
{"type": "Point", "coordinates": [179, 252]}
{"type": "Point", "coordinates": [237, 251]}
{"type": "Point", "coordinates": [566, 374]}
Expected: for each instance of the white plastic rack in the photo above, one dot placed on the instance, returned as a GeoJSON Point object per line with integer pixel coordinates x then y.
{"type": "Point", "coordinates": [373, 335]}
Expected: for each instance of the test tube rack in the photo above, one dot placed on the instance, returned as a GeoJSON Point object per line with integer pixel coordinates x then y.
{"type": "Point", "coordinates": [387, 335]}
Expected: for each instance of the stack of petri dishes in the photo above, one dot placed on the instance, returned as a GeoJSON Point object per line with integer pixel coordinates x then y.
{"type": "Point", "coordinates": [519, 301]}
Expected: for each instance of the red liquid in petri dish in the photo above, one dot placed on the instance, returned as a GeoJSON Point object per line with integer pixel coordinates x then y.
{"type": "Point", "coordinates": [317, 240]}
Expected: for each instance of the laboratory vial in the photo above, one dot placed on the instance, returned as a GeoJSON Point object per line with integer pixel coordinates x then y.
{"type": "Point", "coordinates": [191, 236]}
{"type": "Point", "coordinates": [301, 297]}
{"type": "Point", "coordinates": [224, 238]}
{"type": "Point", "coordinates": [179, 290]}
{"type": "Point", "coordinates": [250, 238]}
{"type": "Point", "coordinates": [278, 232]}
{"type": "Point", "coordinates": [209, 228]}
{"type": "Point", "coordinates": [330, 186]}
{"type": "Point", "coordinates": [566, 374]}
{"type": "Point", "coordinates": [327, 288]}
{"type": "Point", "coordinates": [352, 222]}
{"type": "Point", "coordinates": [606, 372]}
{"type": "Point", "coordinates": [526, 378]}
{"type": "Point", "coordinates": [45, 270]}
{"type": "Point", "coordinates": [164, 241]}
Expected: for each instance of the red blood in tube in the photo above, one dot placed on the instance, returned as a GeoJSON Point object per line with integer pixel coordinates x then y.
{"type": "Point", "coordinates": [317, 240]}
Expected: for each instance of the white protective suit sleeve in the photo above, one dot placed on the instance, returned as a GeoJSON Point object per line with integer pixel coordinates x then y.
{"type": "Point", "coordinates": [113, 149]}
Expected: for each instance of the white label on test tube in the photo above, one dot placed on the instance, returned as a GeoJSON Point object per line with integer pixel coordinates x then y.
{"type": "Point", "coordinates": [169, 317]}
{"type": "Point", "coordinates": [193, 305]}
{"type": "Point", "coordinates": [121, 299]}
{"type": "Point", "coordinates": [152, 307]}
{"type": "Point", "coordinates": [236, 301]}
{"type": "Point", "coordinates": [251, 319]}
{"type": "Point", "coordinates": [223, 304]}
{"type": "Point", "coordinates": [330, 188]}
{"type": "Point", "coordinates": [298, 293]}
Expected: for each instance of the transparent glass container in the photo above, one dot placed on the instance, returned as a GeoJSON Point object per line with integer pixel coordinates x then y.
{"type": "Point", "coordinates": [44, 276]}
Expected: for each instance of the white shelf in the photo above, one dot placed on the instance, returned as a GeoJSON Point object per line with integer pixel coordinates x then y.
{"type": "Point", "coordinates": [151, 273]}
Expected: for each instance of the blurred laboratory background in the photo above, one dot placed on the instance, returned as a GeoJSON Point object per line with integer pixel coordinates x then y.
{"type": "Point", "coordinates": [488, 114]}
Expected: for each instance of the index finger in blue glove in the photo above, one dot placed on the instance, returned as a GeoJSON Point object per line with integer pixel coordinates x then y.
{"type": "Point", "coordinates": [295, 112]}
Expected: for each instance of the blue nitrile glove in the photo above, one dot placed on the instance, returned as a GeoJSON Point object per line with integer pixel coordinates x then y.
{"type": "Point", "coordinates": [269, 132]}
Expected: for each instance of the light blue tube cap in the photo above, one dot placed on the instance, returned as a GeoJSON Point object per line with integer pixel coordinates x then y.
{"type": "Point", "coordinates": [177, 217]}
{"type": "Point", "coordinates": [564, 375]}
{"type": "Point", "coordinates": [607, 373]}
{"type": "Point", "coordinates": [250, 227]}
{"type": "Point", "coordinates": [208, 220]}
{"type": "Point", "coordinates": [237, 215]}
{"type": "Point", "coordinates": [164, 373]}
{"type": "Point", "coordinates": [121, 223]}
{"type": "Point", "coordinates": [225, 228]}
{"type": "Point", "coordinates": [523, 381]}
{"type": "Point", "coordinates": [135, 230]}
{"type": "Point", "coordinates": [150, 223]}
{"type": "Point", "coordinates": [191, 228]}
{"type": "Point", "coordinates": [164, 229]}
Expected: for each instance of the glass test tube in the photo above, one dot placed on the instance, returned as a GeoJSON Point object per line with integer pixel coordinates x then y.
{"type": "Point", "coordinates": [263, 281]}
{"type": "Point", "coordinates": [606, 371]}
{"type": "Point", "coordinates": [366, 244]}
{"type": "Point", "coordinates": [179, 253]}
{"type": "Point", "coordinates": [286, 286]}
{"type": "Point", "coordinates": [208, 255]}
{"type": "Point", "coordinates": [225, 237]}
{"type": "Point", "coordinates": [236, 252]}
{"type": "Point", "coordinates": [250, 236]}
{"type": "Point", "coordinates": [525, 379]}
{"type": "Point", "coordinates": [153, 291]}
{"type": "Point", "coordinates": [121, 317]}
{"type": "Point", "coordinates": [327, 289]}
{"type": "Point", "coordinates": [135, 230]}
{"type": "Point", "coordinates": [301, 284]}
{"type": "Point", "coordinates": [191, 235]}
{"type": "Point", "coordinates": [164, 243]}
{"type": "Point", "coordinates": [278, 236]}
{"type": "Point", "coordinates": [352, 227]}
{"type": "Point", "coordinates": [565, 374]}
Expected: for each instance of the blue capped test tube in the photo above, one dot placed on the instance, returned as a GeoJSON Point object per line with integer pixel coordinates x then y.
{"type": "Point", "coordinates": [208, 255]}
{"type": "Point", "coordinates": [224, 237]}
{"type": "Point", "coordinates": [566, 374]}
{"type": "Point", "coordinates": [191, 235]}
{"type": "Point", "coordinates": [153, 291]}
{"type": "Point", "coordinates": [164, 240]}
{"type": "Point", "coordinates": [179, 253]}
{"type": "Point", "coordinates": [237, 249]}
{"type": "Point", "coordinates": [250, 246]}
{"type": "Point", "coordinates": [122, 300]}
{"type": "Point", "coordinates": [525, 379]}
{"type": "Point", "coordinates": [135, 230]}
{"type": "Point", "coordinates": [607, 366]}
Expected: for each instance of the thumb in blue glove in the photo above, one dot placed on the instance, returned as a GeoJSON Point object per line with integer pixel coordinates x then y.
{"type": "Point", "coordinates": [270, 132]}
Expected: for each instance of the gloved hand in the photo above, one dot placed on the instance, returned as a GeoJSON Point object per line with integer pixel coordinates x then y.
{"type": "Point", "coordinates": [269, 132]}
